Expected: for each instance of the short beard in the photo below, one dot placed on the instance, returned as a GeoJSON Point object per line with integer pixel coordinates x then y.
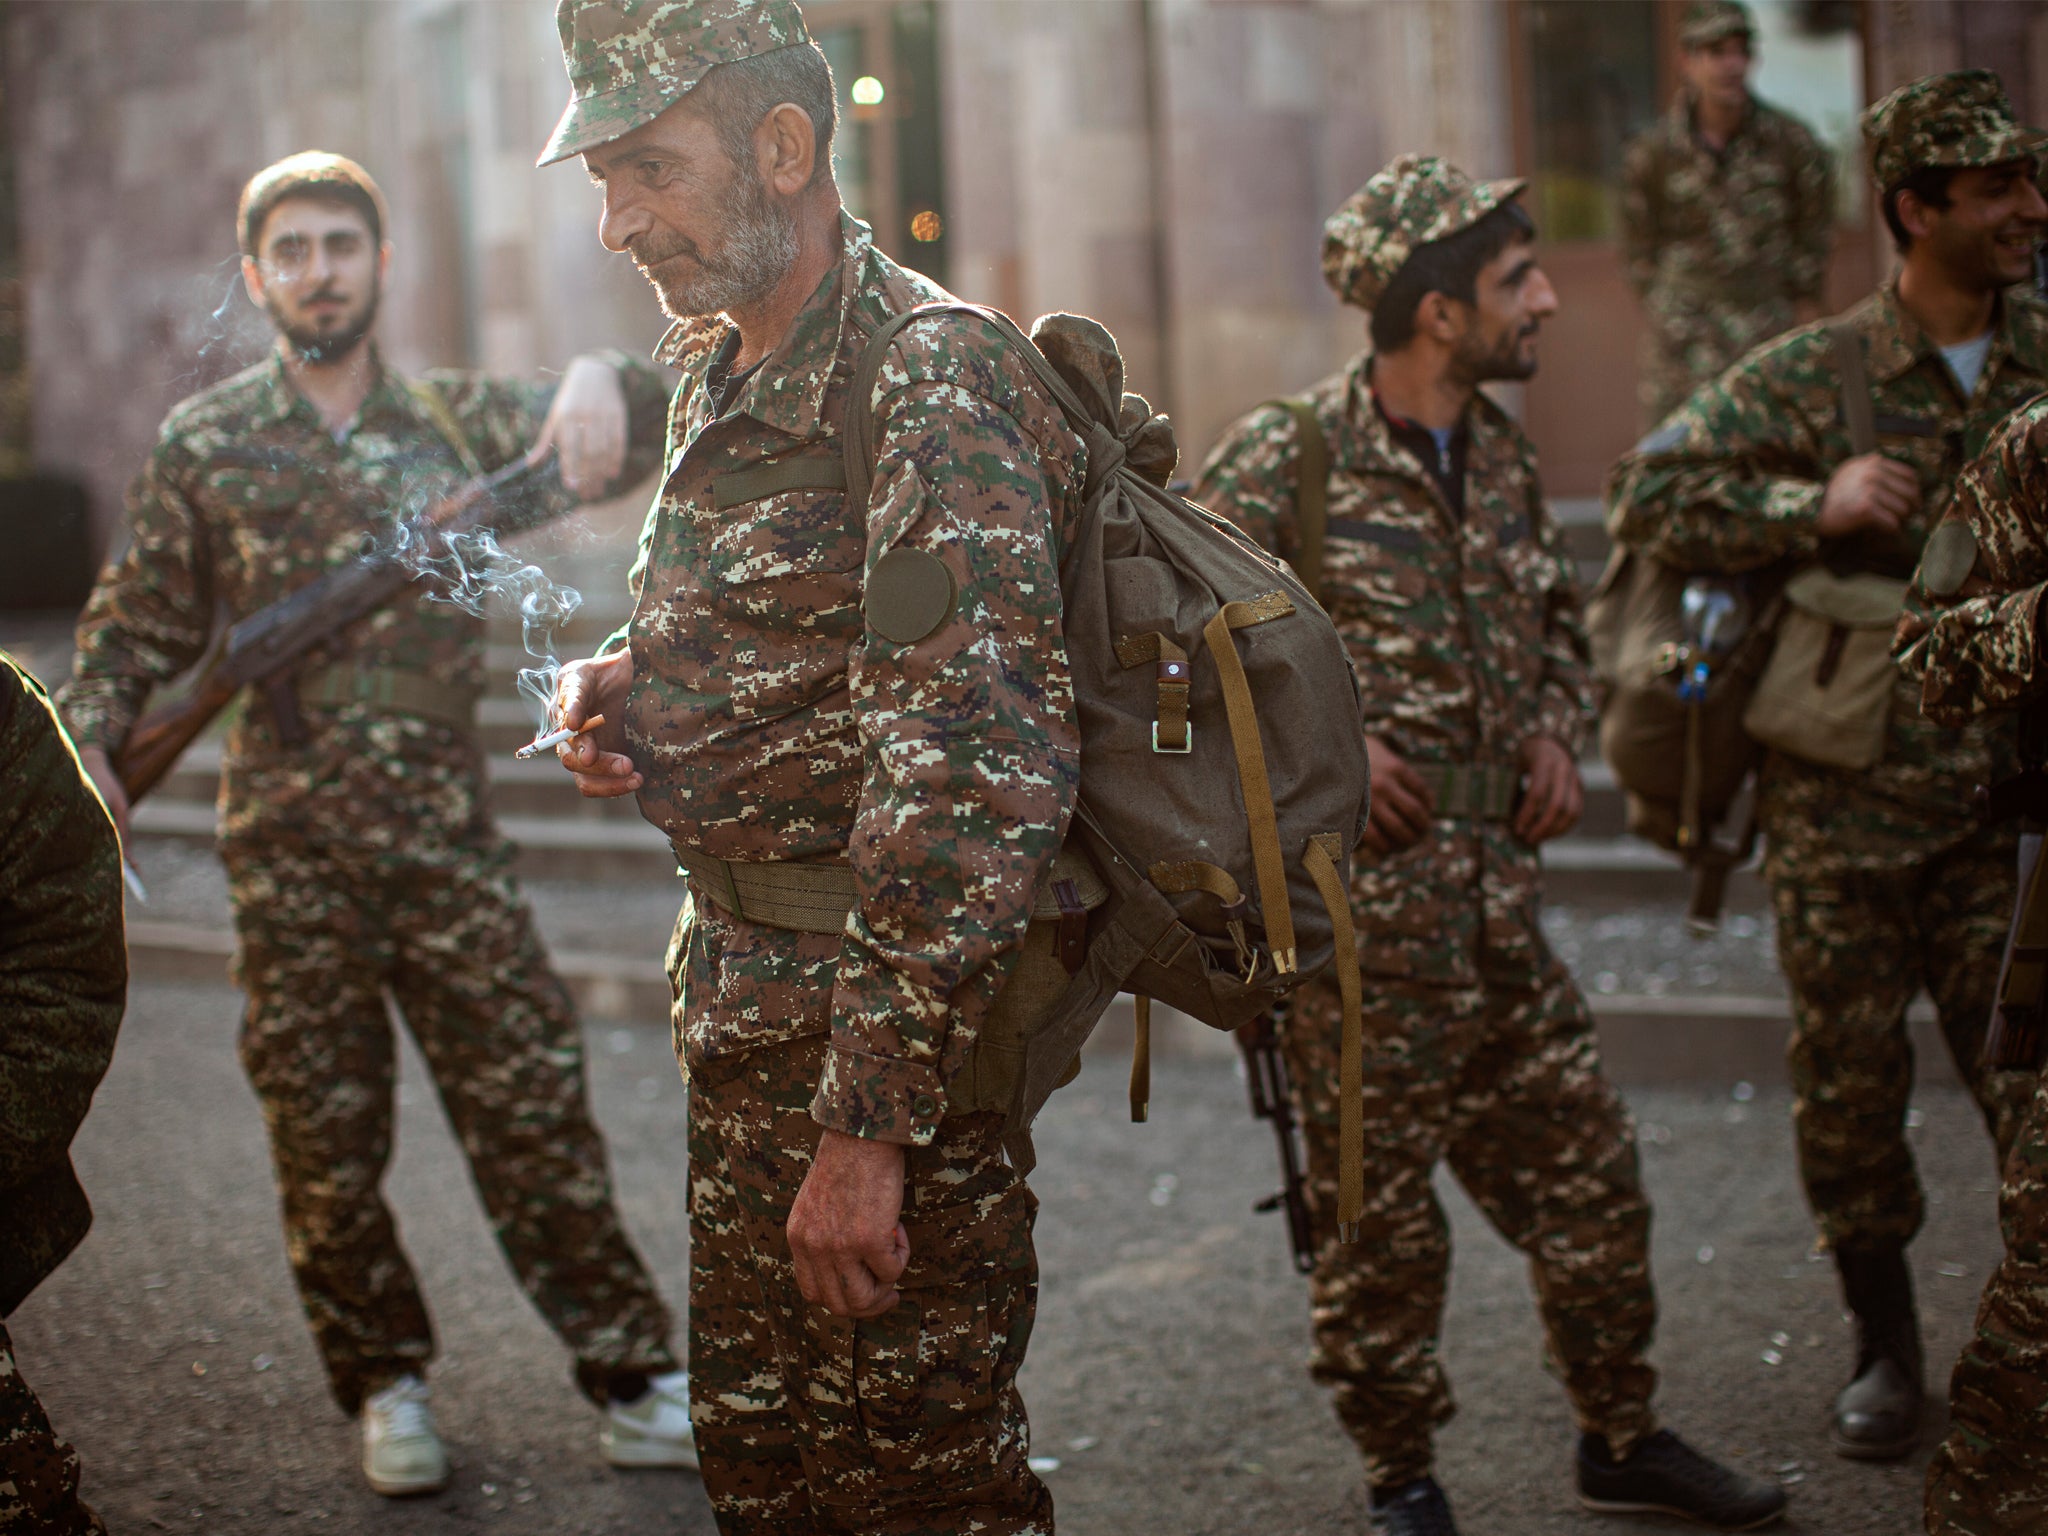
{"type": "Point", "coordinates": [324, 347]}
{"type": "Point", "coordinates": [1504, 363]}
{"type": "Point", "coordinates": [759, 250]}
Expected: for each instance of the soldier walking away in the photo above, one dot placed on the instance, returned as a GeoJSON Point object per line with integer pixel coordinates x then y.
{"type": "Point", "coordinates": [1727, 215]}
{"type": "Point", "coordinates": [862, 1279]}
{"type": "Point", "coordinates": [1882, 877]}
{"type": "Point", "coordinates": [1975, 640]}
{"type": "Point", "coordinates": [361, 855]}
{"type": "Point", "coordinates": [63, 982]}
{"type": "Point", "coordinates": [1446, 574]}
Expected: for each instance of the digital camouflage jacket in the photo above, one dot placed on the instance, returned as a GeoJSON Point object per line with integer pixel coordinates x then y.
{"type": "Point", "coordinates": [1734, 482]}
{"type": "Point", "coordinates": [771, 723]}
{"type": "Point", "coordinates": [63, 979]}
{"type": "Point", "coordinates": [1467, 633]}
{"type": "Point", "coordinates": [247, 497]}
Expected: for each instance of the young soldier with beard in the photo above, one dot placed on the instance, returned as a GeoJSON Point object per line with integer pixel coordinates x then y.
{"type": "Point", "coordinates": [1447, 576]}
{"type": "Point", "coordinates": [360, 852]}
{"type": "Point", "coordinates": [862, 1281]}
{"type": "Point", "coordinates": [1883, 880]}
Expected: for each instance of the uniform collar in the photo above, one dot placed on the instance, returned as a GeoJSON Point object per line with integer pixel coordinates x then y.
{"type": "Point", "coordinates": [1685, 127]}
{"type": "Point", "coordinates": [787, 391]}
{"type": "Point", "coordinates": [278, 400]}
{"type": "Point", "coordinates": [1372, 438]}
{"type": "Point", "coordinates": [1897, 343]}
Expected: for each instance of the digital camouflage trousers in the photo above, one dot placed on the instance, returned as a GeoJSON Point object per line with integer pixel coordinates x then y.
{"type": "Point", "coordinates": [322, 935]}
{"type": "Point", "coordinates": [908, 1424]}
{"type": "Point", "coordinates": [1855, 949]}
{"type": "Point", "coordinates": [1479, 1052]}
{"type": "Point", "coordinates": [38, 1471]}
{"type": "Point", "coordinates": [1990, 1476]}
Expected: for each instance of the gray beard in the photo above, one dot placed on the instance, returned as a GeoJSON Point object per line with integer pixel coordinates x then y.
{"type": "Point", "coordinates": [760, 249]}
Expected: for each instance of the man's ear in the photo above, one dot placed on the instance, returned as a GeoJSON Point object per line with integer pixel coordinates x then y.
{"type": "Point", "coordinates": [787, 146]}
{"type": "Point", "coordinates": [252, 280]}
{"type": "Point", "coordinates": [1915, 215]}
{"type": "Point", "coordinates": [1437, 317]}
{"type": "Point", "coordinates": [383, 263]}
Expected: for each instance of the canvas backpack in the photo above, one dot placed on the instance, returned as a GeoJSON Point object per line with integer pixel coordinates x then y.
{"type": "Point", "coordinates": [1224, 776]}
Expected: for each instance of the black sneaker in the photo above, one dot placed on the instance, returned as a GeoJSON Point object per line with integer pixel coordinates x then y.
{"type": "Point", "coordinates": [1664, 1475]}
{"type": "Point", "coordinates": [1412, 1509]}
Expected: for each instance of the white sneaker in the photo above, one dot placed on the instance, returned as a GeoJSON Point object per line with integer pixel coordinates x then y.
{"type": "Point", "coordinates": [654, 1431]}
{"type": "Point", "coordinates": [401, 1449]}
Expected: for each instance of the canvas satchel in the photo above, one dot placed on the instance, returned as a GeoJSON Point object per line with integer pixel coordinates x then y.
{"type": "Point", "coordinates": [1826, 696]}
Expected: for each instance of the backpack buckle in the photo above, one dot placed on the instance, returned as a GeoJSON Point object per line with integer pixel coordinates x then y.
{"type": "Point", "coordinates": [1187, 740]}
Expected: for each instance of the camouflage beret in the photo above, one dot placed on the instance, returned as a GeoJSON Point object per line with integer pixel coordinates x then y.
{"type": "Point", "coordinates": [1415, 200]}
{"type": "Point", "coordinates": [631, 60]}
{"type": "Point", "coordinates": [1958, 119]}
{"type": "Point", "coordinates": [310, 173]}
{"type": "Point", "coordinates": [1707, 22]}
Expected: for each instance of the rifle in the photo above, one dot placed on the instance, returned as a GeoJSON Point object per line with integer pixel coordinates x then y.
{"type": "Point", "coordinates": [2016, 1036]}
{"type": "Point", "coordinates": [264, 650]}
{"type": "Point", "coordinates": [1266, 1077]}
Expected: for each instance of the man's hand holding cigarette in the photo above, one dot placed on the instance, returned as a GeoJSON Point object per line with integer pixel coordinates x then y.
{"type": "Point", "coordinates": [597, 760]}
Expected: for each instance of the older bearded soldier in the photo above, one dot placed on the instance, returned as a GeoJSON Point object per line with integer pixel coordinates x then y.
{"type": "Point", "coordinates": [1448, 578]}
{"type": "Point", "coordinates": [862, 1280]}
{"type": "Point", "coordinates": [360, 852]}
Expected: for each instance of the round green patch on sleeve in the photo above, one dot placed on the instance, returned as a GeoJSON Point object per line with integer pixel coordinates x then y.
{"type": "Point", "coordinates": [1948, 559]}
{"type": "Point", "coordinates": [909, 594]}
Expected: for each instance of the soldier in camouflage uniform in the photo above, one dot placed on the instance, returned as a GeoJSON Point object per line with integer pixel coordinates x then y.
{"type": "Point", "coordinates": [1974, 638]}
{"type": "Point", "coordinates": [360, 851]}
{"type": "Point", "coordinates": [1883, 880]}
{"type": "Point", "coordinates": [1447, 576]}
{"type": "Point", "coordinates": [1727, 215]}
{"type": "Point", "coordinates": [63, 981]}
{"type": "Point", "coordinates": [862, 1278]}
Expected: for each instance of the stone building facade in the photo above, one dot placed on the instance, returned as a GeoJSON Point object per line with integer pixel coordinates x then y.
{"type": "Point", "coordinates": [1164, 165]}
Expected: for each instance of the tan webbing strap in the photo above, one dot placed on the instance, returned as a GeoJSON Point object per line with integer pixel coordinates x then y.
{"type": "Point", "coordinates": [1311, 493]}
{"type": "Point", "coordinates": [1857, 412]}
{"type": "Point", "coordinates": [1141, 1058]}
{"type": "Point", "coordinates": [1185, 875]}
{"type": "Point", "coordinates": [1471, 791]}
{"type": "Point", "coordinates": [390, 688]}
{"type": "Point", "coordinates": [1170, 729]}
{"type": "Point", "coordinates": [1257, 789]}
{"type": "Point", "coordinates": [441, 417]}
{"type": "Point", "coordinates": [1262, 609]}
{"type": "Point", "coordinates": [1320, 859]}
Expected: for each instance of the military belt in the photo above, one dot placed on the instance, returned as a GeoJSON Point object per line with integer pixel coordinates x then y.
{"type": "Point", "coordinates": [818, 897]}
{"type": "Point", "coordinates": [1472, 791]}
{"type": "Point", "coordinates": [390, 688]}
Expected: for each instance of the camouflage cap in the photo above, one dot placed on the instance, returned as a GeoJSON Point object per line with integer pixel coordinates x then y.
{"type": "Point", "coordinates": [1416, 199]}
{"type": "Point", "coordinates": [630, 60]}
{"type": "Point", "coordinates": [1707, 22]}
{"type": "Point", "coordinates": [315, 173]}
{"type": "Point", "coordinates": [1957, 119]}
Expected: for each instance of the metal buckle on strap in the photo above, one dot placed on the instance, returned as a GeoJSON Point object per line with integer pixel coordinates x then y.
{"type": "Point", "coordinates": [1182, 750]}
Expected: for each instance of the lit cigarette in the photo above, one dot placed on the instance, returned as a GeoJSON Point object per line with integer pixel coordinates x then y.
{"type": "Point", "coordinates": [540, 744]}
{"type": "Point", "coordinates": [133, 881]}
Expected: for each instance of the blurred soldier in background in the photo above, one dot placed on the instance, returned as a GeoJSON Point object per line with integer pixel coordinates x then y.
{"type": "Point", "coordinates": [1483, 1051]}
{"type": "Point", "coordinates": [1727, 215]}
{"type": "Point", "coordinates": [63, 981]}
{"type": "Point", "coordinates": [1883, 879]}
{"type": "Point", "coordinates": [360, 851]}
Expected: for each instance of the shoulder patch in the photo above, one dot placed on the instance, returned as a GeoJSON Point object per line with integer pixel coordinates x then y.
{"type": "Point", "coordinates": [909, 594]}
{"type": "Point", "coordinates": [1948, 560]}
{"type": "Point", "coordinates": [1665, 438]}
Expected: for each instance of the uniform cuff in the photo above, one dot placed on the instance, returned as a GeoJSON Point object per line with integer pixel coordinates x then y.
{"type": "Point", "coordinates": [880, 1098]}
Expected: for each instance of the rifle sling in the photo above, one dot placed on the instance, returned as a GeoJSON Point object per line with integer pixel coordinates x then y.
{"type": "Point", "coordinates": [391, 689]}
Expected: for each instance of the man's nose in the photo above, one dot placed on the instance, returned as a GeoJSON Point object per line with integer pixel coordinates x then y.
{"type": "Point", "coordinates": [1542, 296]}
{"type": "Point", "coordinates": [2033, 205]}
{"type": "Point", "coordinates": [622, 222]}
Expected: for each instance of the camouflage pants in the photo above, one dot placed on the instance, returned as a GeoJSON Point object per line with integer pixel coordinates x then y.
{"type": "Point", "coordinates": [908, 1424]}
{"type": "Point", "coordinates": [322, 934]}
{"type": "Point", "coordinates": [1481, 1054]}
{"type": "Point", "coordinates": [1855, 949]}
{"type": "Point", "coordinates": [1990, 1476]}
{"type": "Point", "coordinates": [38, 1471]}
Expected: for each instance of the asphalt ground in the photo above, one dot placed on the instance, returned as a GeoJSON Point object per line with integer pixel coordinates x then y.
{"type": "Point", "coordinates": [1166, 1372]}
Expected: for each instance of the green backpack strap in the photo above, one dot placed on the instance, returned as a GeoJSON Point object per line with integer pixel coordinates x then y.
{"type": "Point", "coordinates": [441, 417]}
{"type": "Point", "coordinates": [1858, 410]}
{"type": "Point", "coordinates": [1311, 491]}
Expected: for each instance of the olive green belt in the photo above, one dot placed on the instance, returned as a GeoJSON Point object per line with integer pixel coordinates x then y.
{"type": "Point", "coordinates": [1472, 791]}
{"type": "Point", "coordinates": [817, 898]}
{"type": "Point", "coordinates": [390, 688]}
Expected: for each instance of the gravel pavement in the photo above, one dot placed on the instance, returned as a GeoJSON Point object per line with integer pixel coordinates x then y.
{"type": "Point", "coordinates": [1165, 1375]}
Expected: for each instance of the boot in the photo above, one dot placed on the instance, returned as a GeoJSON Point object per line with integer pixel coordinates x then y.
{"type": "Point", "coordinates": [1877, 1416]}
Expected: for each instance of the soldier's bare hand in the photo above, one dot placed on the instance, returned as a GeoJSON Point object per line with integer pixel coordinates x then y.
{"type": "Point", "coordinates": [845, 1237]}
{"type": "Point", "coordinates": [586, 426]}
{"type": "Point", "coordinates": [597, 761]}
{"type": "Point", "coordinates": [1401, 803]}
{"type": "Point", "coordinates": [1553, 795]}
{"type": "Point", "coordinates": [1868, 491]}
{"type": "Point", "coordinates": [100, 768]}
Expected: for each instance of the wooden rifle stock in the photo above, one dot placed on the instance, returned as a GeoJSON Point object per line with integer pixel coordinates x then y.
{"type": "Point", "coordinates": [273, 640]}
